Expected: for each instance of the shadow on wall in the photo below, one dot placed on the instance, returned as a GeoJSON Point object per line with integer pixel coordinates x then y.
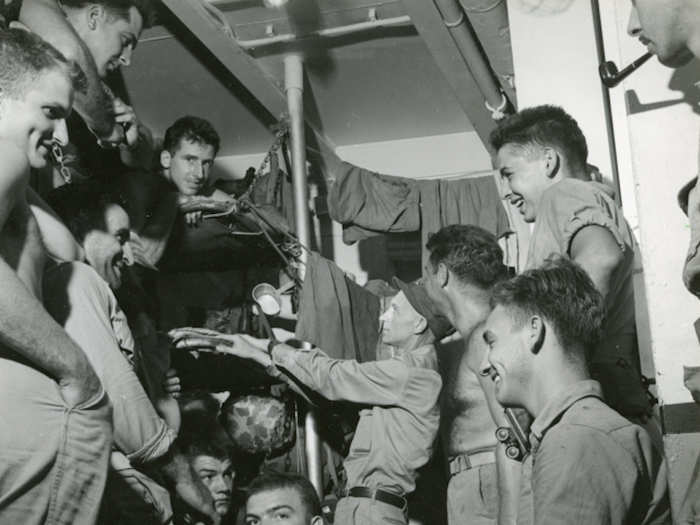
{"type": "Point", "coordinates": [685, 80]}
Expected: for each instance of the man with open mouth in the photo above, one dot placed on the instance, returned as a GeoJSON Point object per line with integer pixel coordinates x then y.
{"type": "Point", "coordinates": [588, 464]}
{"type": "Point", "coordinates": [542, 156]}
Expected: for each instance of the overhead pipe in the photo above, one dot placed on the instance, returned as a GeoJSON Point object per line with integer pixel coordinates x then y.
{"type": "Point", "coordinates": [328, 32]}
{"type": "Point", "coordinates": [294, 89]}
{"type": "Point", "coordinates": [459, 27]}
{"type": "Point", "coordinates": [489, 20]}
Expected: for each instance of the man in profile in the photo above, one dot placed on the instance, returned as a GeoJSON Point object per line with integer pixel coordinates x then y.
{"type": "Point", "coordinates": [399, 418]}
{"type": "Point", "coordinates": [542, 155]}
{"type": "Point", "coordinates": [464, 264]}
{"type": "Point", "coordinates": [671, 31]}
{"type": "Point", "coordinates": [587, 464]}
{"type": "Point", "coordinates": [100, 35]}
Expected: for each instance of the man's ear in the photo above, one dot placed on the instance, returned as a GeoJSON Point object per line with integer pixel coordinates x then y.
{"type": "Point", "coordinates": [537, 331]}
{"type": "Point", "coordinates": [165, 159]}
{"type": "Point", "coordinates": [552, 161]}
{"type": "Point", "coordinates": [317, 520]}
{"type": "Point", "coordinates": [421, 325]}
{"type": "Point", "coordinates": [95, 15]}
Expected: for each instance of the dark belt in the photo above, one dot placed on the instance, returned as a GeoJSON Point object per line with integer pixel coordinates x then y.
{"type": "Point", "coordinates": [380, 495]}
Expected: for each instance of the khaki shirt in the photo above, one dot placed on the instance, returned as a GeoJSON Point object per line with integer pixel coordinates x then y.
{"type": "Point", "coordinates": [566, 208]}
{"type": "Point", "coordinates": [397, 429]}
{"type": "Point", "coordinates": [590, 465]}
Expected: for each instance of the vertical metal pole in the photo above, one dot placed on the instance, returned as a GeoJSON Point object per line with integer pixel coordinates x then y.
{"type": "Point", "coordinates": [294, 89]}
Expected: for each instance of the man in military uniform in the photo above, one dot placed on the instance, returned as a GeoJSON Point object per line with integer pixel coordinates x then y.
{"type": "Point", "coordinates": [400, 418]}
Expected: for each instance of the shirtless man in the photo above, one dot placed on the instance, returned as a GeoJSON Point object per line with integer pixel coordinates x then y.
{"type": "Point", "coordinates": [54, 460]}
{"type": "Point", "coordinates": [464, 263]}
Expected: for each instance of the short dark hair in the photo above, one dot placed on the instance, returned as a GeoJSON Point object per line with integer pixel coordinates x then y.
{"type": "Point", "coordinates": [24, 57]}
{"type": "Point", "coordinates": [211, 442]}
{"type": "Point", "coordinates": [469, 252]}
{"type": "Point", "coordinates": [191, 128]}
{"type": "Point", "coordinates": [561, 292]}
{"type": "Point", "coordinates": [81, 206]}
{"type": "Point", "coordinates": [120, 8]}
{"type": "Point", "coordinates": [278, 480]}
{"type": "Point", "coordinates": [546, 126]}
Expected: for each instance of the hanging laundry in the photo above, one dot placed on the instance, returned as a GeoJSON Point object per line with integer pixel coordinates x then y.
{"type": "Point", "coordinates": [368, 203]}
{"type": "Point", "coordinates": [337, 315]}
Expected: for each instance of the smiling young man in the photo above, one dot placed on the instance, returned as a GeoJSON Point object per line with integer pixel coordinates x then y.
{"type": "Point", "coordinates": [100, 35]}
{"type": "Point", "coordinates": [100, 225]}
{"type": "Point", "coordinates": [190, 146]}
{"type": "Point", "coordinates": [282, 499]}
{"type": "Point", "coordinates": [541, 154]}
{"type": "Point", "coordinates": [588, 464]}
{"type": "Point", "coordinates": [57, 432]}
{"type": "Point", "coordinates": [399, 418]}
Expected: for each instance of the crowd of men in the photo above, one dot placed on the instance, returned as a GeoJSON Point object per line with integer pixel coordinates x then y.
{"type": "Point", "coordinates": [531, 384]}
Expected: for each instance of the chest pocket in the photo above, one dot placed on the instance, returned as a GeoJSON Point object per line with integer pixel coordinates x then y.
{"type": "Point", "coordinates": [362, 441]}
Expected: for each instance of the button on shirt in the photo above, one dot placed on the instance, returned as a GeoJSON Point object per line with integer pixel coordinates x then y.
{"type": "Point", "coordinates": [589, 465]}
{"type": "Point", "coordinates": [396, 432]}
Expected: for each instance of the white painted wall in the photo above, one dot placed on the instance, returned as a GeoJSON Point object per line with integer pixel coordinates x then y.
{"type": "Point", "coordinates": [657, 136]}
{"type": "Point", "coordinates": [658, 151]}
{"type": "Point", "coordinates": [555, 62]}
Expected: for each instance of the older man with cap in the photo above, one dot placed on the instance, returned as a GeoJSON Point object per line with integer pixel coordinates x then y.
{"type": "Point", "coordinates": [400, 415]}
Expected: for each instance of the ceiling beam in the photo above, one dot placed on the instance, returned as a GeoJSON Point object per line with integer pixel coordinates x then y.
{"type": "Point", "coordinates": [262, 86]}
{"type": "Point", "coordinates": [430, 26]}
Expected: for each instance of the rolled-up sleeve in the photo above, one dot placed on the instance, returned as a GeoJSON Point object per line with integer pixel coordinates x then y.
{"type": "Point", "coordinates": [572, 205]}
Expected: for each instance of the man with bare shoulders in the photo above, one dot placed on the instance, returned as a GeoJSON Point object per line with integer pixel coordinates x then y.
{"type": "Point", "coordinates": [464, 263]}
{"type": "Point", "coordinates": [55, 416]}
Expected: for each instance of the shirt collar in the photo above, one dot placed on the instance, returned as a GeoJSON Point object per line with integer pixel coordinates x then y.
{"type": "Point", "coordinates": [553, 410]}
{"type": "Point", "coordinates": [422, 357]}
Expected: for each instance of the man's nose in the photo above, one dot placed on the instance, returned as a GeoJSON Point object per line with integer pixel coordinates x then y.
{"type": "Point", "coordinates": [125, 57]}
{"type": "Point", "coordinates": [199, 171]}
{"type": "Point", "coordinates": [385, 316]}
{"type": "Point", "coordinates": [60, 132]}
{"type": "Point", "coordinates": [633, 25]}
{"type": "Point", "coordinates": [507, 190]}
{"type": "Point", "coordinates": [218, 484]}
{"type": "Point", "coordinates": [485, 367]}
{"type": "Point", "coordinates": [128, 254]}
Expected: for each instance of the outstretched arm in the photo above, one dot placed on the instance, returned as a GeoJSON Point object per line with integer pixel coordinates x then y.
{"type": "Point", "coordinates": [382, 383]}
{"type": "Point", "coordinates": [45, 18]}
